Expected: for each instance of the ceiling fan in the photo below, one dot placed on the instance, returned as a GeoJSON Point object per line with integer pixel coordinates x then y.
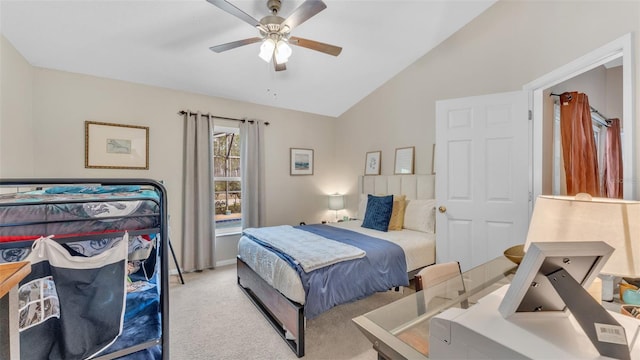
{"type": "Point", "coordinates": [275, 31]}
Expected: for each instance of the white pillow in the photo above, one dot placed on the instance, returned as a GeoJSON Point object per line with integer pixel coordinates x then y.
{"type": "Point", "coordinates": [362, 206]}
{"type": "Point", "coordinates": [420, 215]}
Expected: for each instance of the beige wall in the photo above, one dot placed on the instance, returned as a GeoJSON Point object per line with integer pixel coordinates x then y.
{"type": "Point", "coordinates": [16, 114]}
{"type": "Point", "coordinates": [613, 106]}
{"type": "Point", "coordinates": [54, 127]}
{"type": "Point", "coordinates": [506, 47]}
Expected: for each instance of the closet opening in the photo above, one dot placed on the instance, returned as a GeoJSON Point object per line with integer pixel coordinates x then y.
{"type": "Point", "coordinates": [615, 101]}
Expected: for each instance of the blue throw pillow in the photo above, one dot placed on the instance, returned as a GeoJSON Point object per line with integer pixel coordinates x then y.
{"type": "Point", "coordinates": [378, 212]}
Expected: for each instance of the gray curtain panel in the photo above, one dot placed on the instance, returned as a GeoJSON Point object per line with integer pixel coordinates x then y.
{"type": "Point", "coordinates": [252, 170]}
{"type": "Point", "coordinates": [198, 226]}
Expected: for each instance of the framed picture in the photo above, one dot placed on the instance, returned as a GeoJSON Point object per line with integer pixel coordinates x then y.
{"type": "Point", "coordinates": [404, 160]}
{"type": "Point", "coordinates": [372, 163]}
{"type": "Point", "coordinates": [115, 146]}
{"type": "Point", "coordinates": [301, 161]}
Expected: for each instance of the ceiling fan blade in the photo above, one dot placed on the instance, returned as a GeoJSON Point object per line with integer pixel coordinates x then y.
{"type": "Point", "coordinates": [234, 44]}
{"type": "Point", "coordinates": [303, 13]}
{"type": "Point", "coordinates": [233, 10]}
{"type": "Point", "coordinates": [316, 45]}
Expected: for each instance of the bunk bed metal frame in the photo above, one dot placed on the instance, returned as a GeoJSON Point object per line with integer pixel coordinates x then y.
{"type": "Point", "coordinates": [163, 340]}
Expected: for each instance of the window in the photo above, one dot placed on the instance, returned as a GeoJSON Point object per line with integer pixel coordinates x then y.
{"type": "Point", "coordinates": [226, 176]}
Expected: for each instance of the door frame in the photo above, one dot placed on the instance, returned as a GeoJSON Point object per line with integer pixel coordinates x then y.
{"type": "Point", "coordinates": [619, 48]}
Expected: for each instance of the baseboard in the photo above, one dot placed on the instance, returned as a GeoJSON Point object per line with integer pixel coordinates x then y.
{"type": "Point", "coordinates": [225, 262]}
{"type": "Point", "coordinates": [174, 271]}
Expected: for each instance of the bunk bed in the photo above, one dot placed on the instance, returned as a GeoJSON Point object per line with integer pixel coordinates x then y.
{"type": "Point", "coordinates": [99, 281]}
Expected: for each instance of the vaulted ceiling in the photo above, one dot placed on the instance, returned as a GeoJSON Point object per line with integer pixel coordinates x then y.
{"type": "Point", "coordinates": [166, 43]}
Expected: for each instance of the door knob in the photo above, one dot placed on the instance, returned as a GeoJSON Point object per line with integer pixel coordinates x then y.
{"type": "Point", "coordinates": [442, 209]}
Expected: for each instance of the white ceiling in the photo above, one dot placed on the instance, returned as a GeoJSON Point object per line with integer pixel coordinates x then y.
{"type": "Point", "coordinates": [166, 43]}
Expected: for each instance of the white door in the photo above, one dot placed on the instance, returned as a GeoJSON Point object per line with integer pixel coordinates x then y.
{"type": "Point", "coordinates": [482, 176]}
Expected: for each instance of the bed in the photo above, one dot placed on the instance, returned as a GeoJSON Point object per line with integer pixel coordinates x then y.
{"type": "Point", "coordinates": [98, 248]}
{"type": "Point", "coordinates": [291, 282]}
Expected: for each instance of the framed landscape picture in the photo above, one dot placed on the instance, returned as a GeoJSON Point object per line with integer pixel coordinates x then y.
{"type": "Point", "coordinates": [115, 146]}
{"type": "Point", "coordinates": [301, 161]}
{"type": "Point", "coordinates": [372, 163]}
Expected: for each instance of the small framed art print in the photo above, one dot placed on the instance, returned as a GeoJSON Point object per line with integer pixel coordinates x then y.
{"type": "Point", "coordinates": [372, 163]}
{"type": "Point", "coordinates": [404, 160]}
{"type": "Point", "coordinates": [301, 161]}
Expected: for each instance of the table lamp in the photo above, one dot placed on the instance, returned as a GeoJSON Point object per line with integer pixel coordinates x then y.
{"type": "Point", "coordinates": [583, 218]}
{"type": "Point", "coordinates": [336, 202]}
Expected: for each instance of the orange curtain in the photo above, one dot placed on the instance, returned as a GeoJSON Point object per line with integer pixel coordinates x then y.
{"type": "Point", "coordinates": [578, 144]}
{"type": "Point", "coordinates": [612, 172]}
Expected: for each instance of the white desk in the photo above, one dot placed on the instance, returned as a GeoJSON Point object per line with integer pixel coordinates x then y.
{"type": "Point", "coordinates": [400, 330]}
{"type": "Point", "coordinates": [481, 332]}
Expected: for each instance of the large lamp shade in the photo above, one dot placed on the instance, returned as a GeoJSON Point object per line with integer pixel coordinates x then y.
{"type": "Point", "coordinates": [582, 218]}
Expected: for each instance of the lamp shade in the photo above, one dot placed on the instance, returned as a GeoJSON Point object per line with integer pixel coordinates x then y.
{"type": "Point", "coordinates": [614, 221]}
{"type": "Point", "coordinates": [266, 50]}
{"type": "Point", "coordinates": [336, 202]}
{"type": "Point", "coordinates": [283, 52]}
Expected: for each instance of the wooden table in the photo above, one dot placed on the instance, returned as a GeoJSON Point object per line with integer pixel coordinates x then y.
{"type": "Point", "coordinates": [10, 276]}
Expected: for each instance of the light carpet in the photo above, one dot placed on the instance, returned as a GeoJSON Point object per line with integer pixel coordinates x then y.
{"type": "Point", "coordinates": [211, 318]}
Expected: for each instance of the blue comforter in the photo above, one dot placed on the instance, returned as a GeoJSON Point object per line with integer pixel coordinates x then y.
{"type": "Point", "coordinates": [383, 268]}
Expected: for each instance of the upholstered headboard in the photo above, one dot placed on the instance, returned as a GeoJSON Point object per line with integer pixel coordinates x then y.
{"type": "Point", "coordinates": [413, 186]}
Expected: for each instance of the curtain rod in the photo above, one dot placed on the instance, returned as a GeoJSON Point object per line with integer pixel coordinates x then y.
{"type": "Point", "coordinates": [592, 109]}
{"type": "Point", "coordinates": [182, 112]}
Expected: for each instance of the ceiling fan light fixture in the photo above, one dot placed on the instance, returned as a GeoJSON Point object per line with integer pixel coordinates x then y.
{"type": "Point", "coordinates": [266, 49]}
{"type": "Point", "coordinates": [275, 31]}
{"type": "Point", "coordinates": [283, 52]}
